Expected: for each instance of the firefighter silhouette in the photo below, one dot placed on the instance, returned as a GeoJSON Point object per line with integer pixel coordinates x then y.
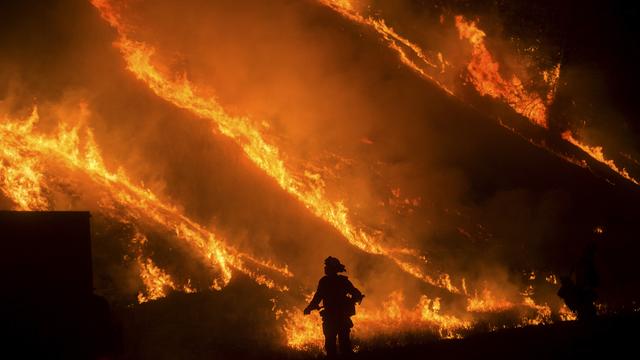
{"type": "Point", "coordinates": [339, 298]}
{"type": "Point", "coordinates": [579, 296]}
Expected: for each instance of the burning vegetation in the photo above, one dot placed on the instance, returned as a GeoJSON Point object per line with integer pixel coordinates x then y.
{"type": "Point", "coordinates": [211, 158]}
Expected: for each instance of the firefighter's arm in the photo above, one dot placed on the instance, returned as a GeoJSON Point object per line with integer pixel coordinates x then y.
{"type": "Point", "coordinates": [314, 304]}
{"type": "Point", "coordinates": [356, 295]}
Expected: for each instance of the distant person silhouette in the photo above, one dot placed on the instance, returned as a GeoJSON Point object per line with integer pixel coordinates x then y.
{"type": "Point", "coordinates": [338, 296]}
{"type": "Point", "coordinates": [580, 296]}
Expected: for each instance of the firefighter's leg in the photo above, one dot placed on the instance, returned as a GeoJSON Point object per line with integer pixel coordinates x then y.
{"type": "Point", "coordinates": [330, 332]}
{"type": "Point", "coordinates": [345, 341]}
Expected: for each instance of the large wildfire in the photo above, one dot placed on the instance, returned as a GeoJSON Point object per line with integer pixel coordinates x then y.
{"type": "Point", "coordinates": [381, 204]}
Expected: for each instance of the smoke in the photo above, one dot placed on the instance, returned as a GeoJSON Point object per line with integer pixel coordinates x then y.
{"type": "Point", "coordinates": [409, 162]}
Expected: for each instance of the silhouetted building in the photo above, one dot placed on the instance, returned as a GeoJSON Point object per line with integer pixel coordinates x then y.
{"type": "Point", "coordinates": [49, 310]}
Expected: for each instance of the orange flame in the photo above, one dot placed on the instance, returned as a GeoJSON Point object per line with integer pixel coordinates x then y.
{"type": "Point", "coordinates": [305, 332]}
{"type": "Point", "coordinates": [24, 153]}
{"type": "Point", "coordinates": [485, 76]}
{"type": "Point", "coordinates": [597, 153]}
{"type": "Point", "coordinates": [19, 178]}
{"type": "Point", "coordinates": [487, 303]}
{"type": "Point", "coordinates": [543, 312]}
{"type": "Point", "coordinates": [483, 70]}
{"type": "Point", "coordinates": [266, 156]}
{"type": "Point", "coordinates": [393, 317]}
{"type": "Point", "coordinates": [21, 142]}
{"type": "Point", "coordinates": [484, 73]}
{"type": "Point", "coordinates": [405, 49]}
{"type": "Point", "coordinates": [157, 283]}
{"type": "Point", "coordinates": [155, 280]}
{"type": "Point", "coordinates": [566, 314]}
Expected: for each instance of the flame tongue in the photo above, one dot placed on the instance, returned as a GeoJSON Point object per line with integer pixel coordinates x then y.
{"type": "Point", "coordinates": [266, 156]}
{"type": "Point", "coordinates": [596, 152]}
{"type": "Point", "coordinates": [21, 179]}
{"type": "Point", "coordinates": [484, 73]}
{"type": "Point", "coordinates": [483, 70]}
{"type": "Point", "coordinates": [155, 280]}
{"type": "Point", "coordinates": [485, 76]}
{"type": "Point", "coordinates": [24, 154]}
{"type": "Point", "coordinates": [426, 67]}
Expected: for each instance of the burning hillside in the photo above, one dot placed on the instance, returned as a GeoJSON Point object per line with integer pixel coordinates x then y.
{"type": "Point", "coordinates": [217, 141]}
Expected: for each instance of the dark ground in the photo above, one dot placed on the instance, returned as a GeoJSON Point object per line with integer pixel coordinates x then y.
{"type": "Point", "coordinates": [213, 326]}
{"type": "Point", "coordinates": [607, 337]}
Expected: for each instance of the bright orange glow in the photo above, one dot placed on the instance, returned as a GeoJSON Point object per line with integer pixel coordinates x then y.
{"type": "Point", "coordinates": [483, 69]}
{"type": "Point", "coordinates": [551, 77]}
{"type": "Point", "coordinates": [543, 312]}
{"type": "Point", "coordinates": [157, 283]}
{"type": "Point", "coordinates": [405, 49]}
{"type": "Point", "coordinates": [307, 188]}
{"type": "Point", "coordinates": [32, 162]}
{"type": "Point", "coordinates": [25, 153]}
{"type": "Point", "coordinates": [393, 317]}
{"type": "Point", "coordinates": [303, 332]}
{"type": "Point", "coordinates": [20, 179]}
{"type": "Point", "coordinates": [597, 153]}
{"type": "Point", "coordinates": [487, 302]}
{"type": "Point", "coordinates": [484, 73]}
{"type": "Point", "coordinates": [566, 314]}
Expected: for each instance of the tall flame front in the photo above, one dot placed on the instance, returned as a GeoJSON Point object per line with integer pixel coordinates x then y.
{"type": "Point", "coordinates": [304, 187]}
{"type": "Point", "coordinates": [27, 186]}
{"type": "Point", "coordinates": [35, 164]}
